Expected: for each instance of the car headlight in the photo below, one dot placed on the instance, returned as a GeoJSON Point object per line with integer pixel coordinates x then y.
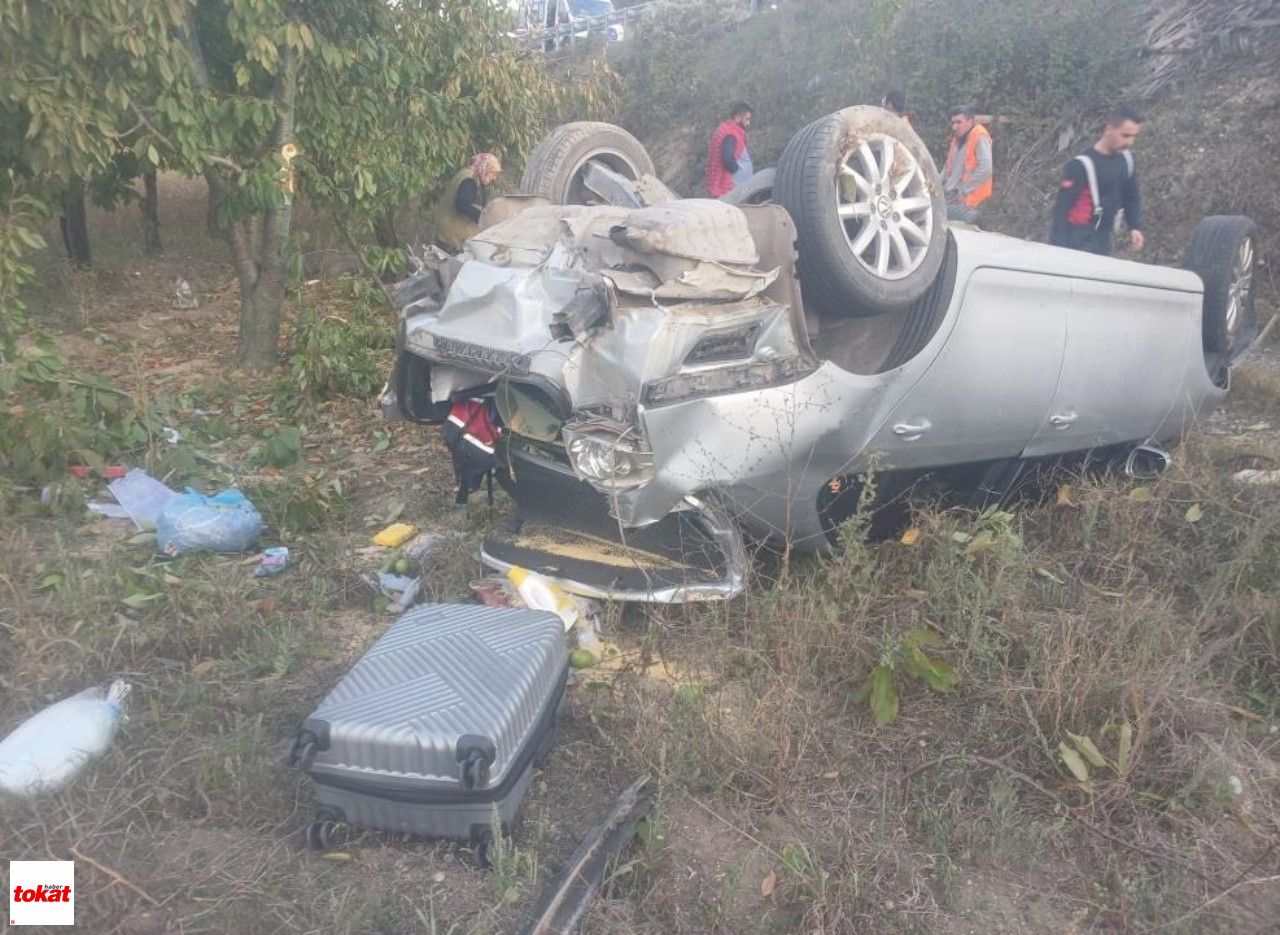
{"type": "Point", "coordinates": [608, 456]}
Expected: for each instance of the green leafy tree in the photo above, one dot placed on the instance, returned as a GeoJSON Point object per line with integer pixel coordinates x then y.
{"type": "Point", "coordinates": [357, 103]}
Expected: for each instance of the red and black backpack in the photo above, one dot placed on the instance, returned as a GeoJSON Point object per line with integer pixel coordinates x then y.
{"type": "Point", "coordinates": [473, 435]}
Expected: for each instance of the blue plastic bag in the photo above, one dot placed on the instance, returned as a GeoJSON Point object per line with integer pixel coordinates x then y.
{"type": "Point", "coordinates": [225, 522]}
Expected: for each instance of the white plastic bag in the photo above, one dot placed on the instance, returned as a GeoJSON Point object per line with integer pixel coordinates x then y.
{"type": "Point", "coordinates": [541, 593]}
{"type": "Point", "coordinates": [46, 750]}
{"type": "Point", "coordinates": [225, 522]}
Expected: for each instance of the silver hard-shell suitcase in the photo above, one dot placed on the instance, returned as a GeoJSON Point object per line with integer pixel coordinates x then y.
{"type": "Point", "coordinates": [438, 725]}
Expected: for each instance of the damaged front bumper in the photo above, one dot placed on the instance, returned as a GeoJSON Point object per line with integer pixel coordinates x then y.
{"type": "Point", "coordinates": [564, 530]}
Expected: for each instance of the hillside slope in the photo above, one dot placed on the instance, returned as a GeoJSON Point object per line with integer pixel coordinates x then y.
{"type": "Point", "coordinates": [1206, 74]}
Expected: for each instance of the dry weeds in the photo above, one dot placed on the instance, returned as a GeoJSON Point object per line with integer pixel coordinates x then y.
{"type": "Point", "coordinates": [783, 809]}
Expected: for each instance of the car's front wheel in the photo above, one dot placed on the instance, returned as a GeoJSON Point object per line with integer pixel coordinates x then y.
{"type": "Point", "coordinates": [869, 212]}
{"type": "Point", "coordinates": [1222, 252]}
{"type": "Point", "coordinates": [557, 166]}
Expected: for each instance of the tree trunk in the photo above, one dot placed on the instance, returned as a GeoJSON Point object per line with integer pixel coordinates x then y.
{"type": "Point", "coordinates": [260, 307]}
{"type": "Point", "coordinates": [151, 214]}
{"type": "Point", "coordinates": [75, 228]}
{"type": "Point", "coordinates": [384, 230]}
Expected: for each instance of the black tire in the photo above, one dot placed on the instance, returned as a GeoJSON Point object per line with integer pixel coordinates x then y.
{"type": "Point", "coordinates": [867, 245]}
{"type": "Point", "coordinates": [554, 169]}
{"type": "Point", "coordinates": [1223, 253]}
{"type": "Point", "coordinates": [757, 190]}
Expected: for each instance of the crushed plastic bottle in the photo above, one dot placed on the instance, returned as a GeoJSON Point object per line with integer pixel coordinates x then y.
{"type": "Point", "coordinates": [541, 593]}
{"type": "Point", "coordinates": [186, 295]}
{"type": "Point", "coordinates": [48, 749]}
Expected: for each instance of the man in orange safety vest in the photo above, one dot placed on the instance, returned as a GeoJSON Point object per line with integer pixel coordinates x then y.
{"type": "Point", "coordinates": [966, 175]}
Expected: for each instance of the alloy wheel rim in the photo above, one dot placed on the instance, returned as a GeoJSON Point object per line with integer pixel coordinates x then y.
{"type": "Point", "coordinates": [885, 208]}
{"type": "Point", "coordinates": [1241, 285]}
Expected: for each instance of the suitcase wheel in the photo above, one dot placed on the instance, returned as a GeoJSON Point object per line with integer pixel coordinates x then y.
{"type": "Point", "coordinates": [324, 833]}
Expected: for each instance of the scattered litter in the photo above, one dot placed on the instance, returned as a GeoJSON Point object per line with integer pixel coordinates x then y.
{"type": "Point", "coordinates": [274, 560]}
{"type": "Point", "coordinates": [541, 593]}
{"type": "Point", "coordinates": [396, 584]}
{"type": "Point", "coordinates": [47, 750]}
{"type": "Point", "coordinates": [495, 592]}
{"type": "Point", "coordinates": [407, 598]}
{"type": "Point", "coordinates": [587, 631]}
{"type": "Point", "coordinates": [403, 590]}
{"type": "Point", "coordinates": [110, 472]}
{"type": "Point", "coordinates": [225, 522]}
{"type": "Point", "coordinates": [426, 543]}
{"type": "Point", "coordinates": [142, 497]}
{"type": "Point", "coordinates": [109, 510]}
{"type": "Point", "coordinates": [171, 435]}
{"type": "Point", "coordinates": [395, 535]}
{"type": "Point", "coordinates": [186, 295]}
{"type": "Point", "coordinates": [1255, 477]}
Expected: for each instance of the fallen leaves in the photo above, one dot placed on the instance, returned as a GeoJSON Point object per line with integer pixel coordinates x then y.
{"type": "Point", "coordinates": [768, 883]}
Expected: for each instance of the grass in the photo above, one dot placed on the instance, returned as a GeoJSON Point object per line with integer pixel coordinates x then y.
{"type": "Point", "coordinates": [783, 807]}
{"type": "Point", "coordinates": [1111, 607]}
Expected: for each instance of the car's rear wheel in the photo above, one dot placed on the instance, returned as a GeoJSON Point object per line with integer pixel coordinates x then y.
{"type": "Point", "coordinates": [870, 216]}
{"type": "Point", "coordinates": [757, 190]}
{"type": "Point", "coordinates": [557, 165]}
{"type": "Point", "coordinates": [1222, 252]}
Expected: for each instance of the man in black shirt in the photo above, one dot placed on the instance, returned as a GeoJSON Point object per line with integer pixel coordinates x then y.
{"type": "Point", "coordinates": [1097, 186]}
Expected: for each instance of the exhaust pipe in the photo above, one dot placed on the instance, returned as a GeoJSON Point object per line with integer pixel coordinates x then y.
{"type": "Point", "coordinates": [1146, 462]}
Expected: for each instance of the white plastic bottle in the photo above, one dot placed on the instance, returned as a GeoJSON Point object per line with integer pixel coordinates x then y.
{"type": "Point", "coordinates": [541, 593]}
{"type": "Point", "coordinates": [48, 749]}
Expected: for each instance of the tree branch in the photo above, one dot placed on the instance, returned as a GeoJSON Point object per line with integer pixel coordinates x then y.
{"type": "Point", "coordinates": [224, 162]}
{"type": "Point", "coordinates": [142, 119]}
{"type": "Point", "coordinates": [168, 144]}
{"type": "Point", "coordinates": [369, 271]}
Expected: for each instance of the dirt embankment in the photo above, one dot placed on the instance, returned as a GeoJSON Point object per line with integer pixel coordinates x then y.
{"type": "Point", "coordinates": [1207, 76]}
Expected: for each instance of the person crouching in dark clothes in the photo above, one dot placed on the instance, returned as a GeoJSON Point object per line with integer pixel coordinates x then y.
{"type": "Point", "coordinates": [458, 211]}
{"type": "Point", "coordinates": [1098, 188]}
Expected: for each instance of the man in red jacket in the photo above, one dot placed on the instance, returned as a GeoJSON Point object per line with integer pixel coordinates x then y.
{"type": "Point", "coordinates": [727, 150]}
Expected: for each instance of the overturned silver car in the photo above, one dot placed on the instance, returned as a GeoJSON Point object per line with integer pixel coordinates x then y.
{"type": "Point", "coordinates": [676, 373]}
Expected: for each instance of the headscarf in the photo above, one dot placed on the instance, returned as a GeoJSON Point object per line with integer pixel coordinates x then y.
{"type": "Point", "coordinates": [485, 163]}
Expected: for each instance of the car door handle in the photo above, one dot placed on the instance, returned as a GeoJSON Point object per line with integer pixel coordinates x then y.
{"type": "Point", "coordinates": [912, 430]}
{"type": "Point", "coordinates": [1062, 420]}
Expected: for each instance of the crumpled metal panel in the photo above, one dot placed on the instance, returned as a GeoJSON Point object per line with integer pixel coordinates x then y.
{"type": "Point", "coordinates": [697, 228]}
{"type": "Point", "coordinates": [701, 282]}
{"type": "Point", "coordinates": [530, 237]}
